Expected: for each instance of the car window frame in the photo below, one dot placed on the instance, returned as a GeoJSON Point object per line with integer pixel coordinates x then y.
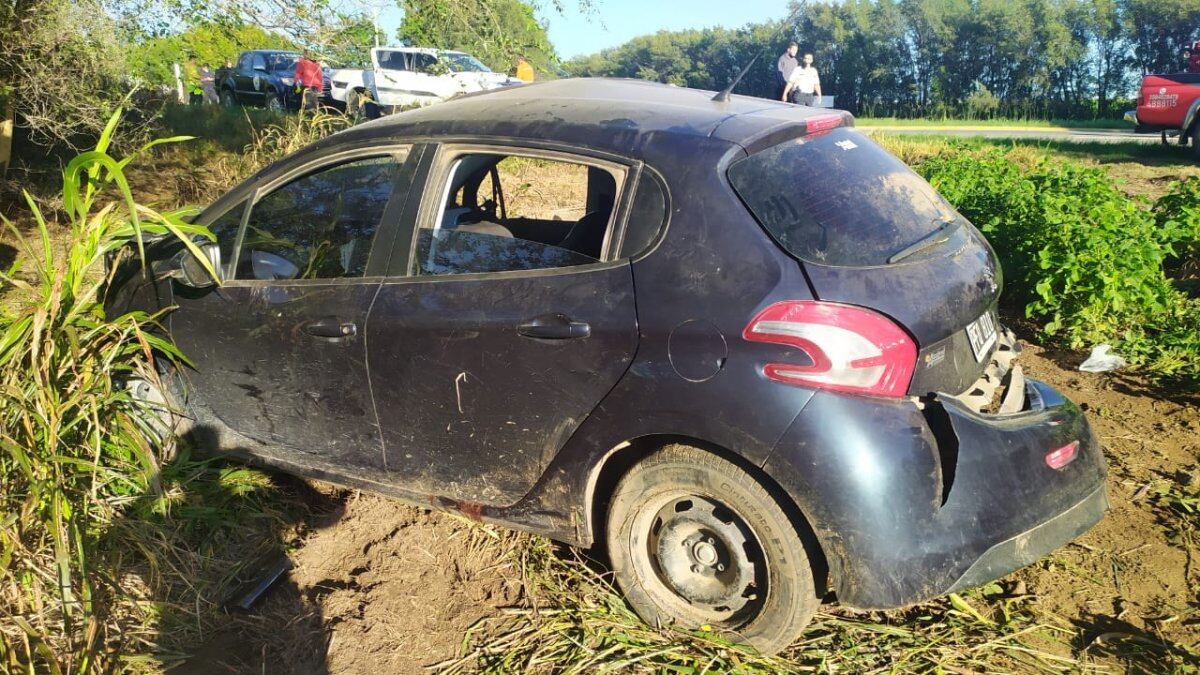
{"type": "Point", "coordinates": [436, 194]}
{"type": "Point", "coordinates": [275, 181]}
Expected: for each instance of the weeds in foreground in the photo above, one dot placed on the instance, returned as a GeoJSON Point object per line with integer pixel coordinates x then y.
{"type": "Point", "coordinates": [575, 621]}
{"type": "Point", "coordinates": [75, 443]}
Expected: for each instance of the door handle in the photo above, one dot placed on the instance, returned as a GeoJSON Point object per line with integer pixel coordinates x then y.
{"type": "Point", "coordinates": [554, 327]}
{"type": "Point", "coordinates": [330, 327]}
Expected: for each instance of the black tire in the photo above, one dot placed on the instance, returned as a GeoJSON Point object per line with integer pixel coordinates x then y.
{"type": "Point", "coordinates": [273, 102]}
{"type": "Point", "coordinates": [227, 98]}
{"type": "Point", "coordinates": [695, 540]}
{"type": "Point", "coordinates": [354, 105]}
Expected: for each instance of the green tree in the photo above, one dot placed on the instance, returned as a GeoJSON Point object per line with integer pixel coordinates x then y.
{"type": "Point", "coordinates": [494, 31]}
{"type": "Point", "coordinates": [206, 43]}
{"type": "Point", "coordinates": [1160, 29]}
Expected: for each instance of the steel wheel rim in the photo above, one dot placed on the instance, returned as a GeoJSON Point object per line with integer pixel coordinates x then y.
{"type": "Point", "coordinates": [700, 560]}
{"type": "Point", "coordinates": [273, 104]}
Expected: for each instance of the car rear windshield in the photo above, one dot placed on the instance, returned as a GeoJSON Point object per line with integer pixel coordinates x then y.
{"type": "Point", "coordinates": [837, 198]}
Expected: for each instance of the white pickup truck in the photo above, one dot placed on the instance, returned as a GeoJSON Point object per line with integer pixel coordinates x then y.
{"type": "Point", "coordinates": [403, 77]}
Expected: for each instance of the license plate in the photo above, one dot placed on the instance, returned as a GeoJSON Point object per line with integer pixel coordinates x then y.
{"type": "Point", "coordinates": [982, 334]}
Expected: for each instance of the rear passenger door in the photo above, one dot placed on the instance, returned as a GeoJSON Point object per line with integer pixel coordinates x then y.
{"type": "Point", "coordinates": [495, 340]}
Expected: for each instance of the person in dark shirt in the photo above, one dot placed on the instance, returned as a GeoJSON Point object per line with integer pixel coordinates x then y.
{"type": "Point", "coordinates": [1192, 56]}
{"type": "Point", "coordinates": [784, 67]}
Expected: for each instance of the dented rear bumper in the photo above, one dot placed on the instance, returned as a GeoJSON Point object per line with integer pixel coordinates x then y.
{"type": "Point", "coordinates": [912, 500]}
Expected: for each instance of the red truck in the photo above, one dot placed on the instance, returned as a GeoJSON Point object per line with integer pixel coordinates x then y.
{"type": "Point", "coordinates": [1170, 105]}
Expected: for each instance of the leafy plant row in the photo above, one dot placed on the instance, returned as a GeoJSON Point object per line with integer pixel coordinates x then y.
{"type": "Point", "coordinates": [1086, 261]}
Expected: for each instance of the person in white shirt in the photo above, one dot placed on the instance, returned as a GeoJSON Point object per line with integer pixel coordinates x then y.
{"type": "Point", "coordinates": [806, 81]}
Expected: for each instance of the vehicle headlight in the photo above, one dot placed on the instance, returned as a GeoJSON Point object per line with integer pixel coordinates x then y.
{"type": "Point", "coordinates": [287, 81]}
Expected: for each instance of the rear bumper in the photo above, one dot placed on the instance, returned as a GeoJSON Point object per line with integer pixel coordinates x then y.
{"type": "Point", "coordinates": [1035, 543]}
{"type": "Point", "coordinates": [911, 502]}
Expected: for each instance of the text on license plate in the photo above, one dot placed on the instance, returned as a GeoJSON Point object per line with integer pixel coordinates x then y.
{"type": "Point", "coordinates": [982, 334]}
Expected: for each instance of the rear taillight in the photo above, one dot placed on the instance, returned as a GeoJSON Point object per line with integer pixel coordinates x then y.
{"type": "Point", "coordinates": [852, 349]}
{"type": "Point", "coordinates": [1057, 459]}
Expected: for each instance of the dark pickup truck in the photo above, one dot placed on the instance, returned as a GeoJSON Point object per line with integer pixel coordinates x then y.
{"type": "Point", "coordinates": [261, 77]}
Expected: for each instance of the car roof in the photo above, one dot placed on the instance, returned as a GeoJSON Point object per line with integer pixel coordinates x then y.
{"type": "Point", "coordinates": [611, 114]}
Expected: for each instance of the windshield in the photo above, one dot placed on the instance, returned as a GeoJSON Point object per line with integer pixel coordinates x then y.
{"type": "Point", "coordinates": [281, 62]}
{"type": "Point", "coordinates": [837, 198]}
{"type": "Point", "coordinates": [463, 63]}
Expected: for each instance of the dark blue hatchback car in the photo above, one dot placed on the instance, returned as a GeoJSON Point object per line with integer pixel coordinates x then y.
{"type": "Point", "coordinates": [735, 342]}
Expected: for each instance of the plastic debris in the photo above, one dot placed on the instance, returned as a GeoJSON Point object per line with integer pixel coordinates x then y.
{"type": "Point", "coordinates": [1101, 361]}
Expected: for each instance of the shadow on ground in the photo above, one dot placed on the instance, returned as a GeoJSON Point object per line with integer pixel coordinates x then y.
{"type": "Point", "coordinates": [1140, 651]}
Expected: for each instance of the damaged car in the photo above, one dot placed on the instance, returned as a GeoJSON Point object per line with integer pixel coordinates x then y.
{"type": "Point", "coordinates": [732, 342]}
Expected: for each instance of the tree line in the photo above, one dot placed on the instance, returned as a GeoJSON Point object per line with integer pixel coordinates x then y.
{"type": "Point", "coordinates": [938, 58]}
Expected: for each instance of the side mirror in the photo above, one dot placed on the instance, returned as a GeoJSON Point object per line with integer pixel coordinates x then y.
{"type": "Point", "coordinates": [191, 270]}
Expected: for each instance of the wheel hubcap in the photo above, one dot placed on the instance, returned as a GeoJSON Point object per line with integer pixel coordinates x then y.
{"type": "Point", "coordinates": [707, 556]}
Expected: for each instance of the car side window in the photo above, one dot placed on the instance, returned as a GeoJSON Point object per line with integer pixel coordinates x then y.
{"type": "Point", "coordinates": [647, 216]}
{"type": "Point", "coordinates": [506, 213]}
{"type": "Point", "coordinates": [259, 63]}
{"type": "Point", "coordinates": [424, 63]}
{"type": "Point", "coordinates": [321, 225]}
{"type": "Point", "coordinates": [244, 63]}
{"type": "Point", "coordinates": [392, 61]}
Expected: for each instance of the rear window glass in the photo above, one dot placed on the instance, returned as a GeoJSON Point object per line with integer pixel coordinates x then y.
{"type": "Point", "coordinates": [837, 198]}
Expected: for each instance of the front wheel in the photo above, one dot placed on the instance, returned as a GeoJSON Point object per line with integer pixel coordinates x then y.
{"type": "Point", "coordinates": [695, 540]}
{"type": "Point", "coordinates": [227, 99]}
{"type": "Point", "coordinates": [274, 102]}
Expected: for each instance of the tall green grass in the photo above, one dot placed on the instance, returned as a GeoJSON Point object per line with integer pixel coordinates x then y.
{"type": "Point", "coordinates": [75, 443]}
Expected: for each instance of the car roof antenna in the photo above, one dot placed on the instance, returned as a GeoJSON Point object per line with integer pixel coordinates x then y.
{"type": "Point", "coordinates": [723, 95]}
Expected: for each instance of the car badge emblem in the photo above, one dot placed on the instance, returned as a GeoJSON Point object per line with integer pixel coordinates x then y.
{"type": "Point", "coordinates": [846, 145]}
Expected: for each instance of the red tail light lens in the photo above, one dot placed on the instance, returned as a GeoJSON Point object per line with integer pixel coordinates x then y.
{"type": "Point", "coordinates": [818, 123]}
{"type": "Point", "coordinates": [852, 349]}
{"type": "Point", "coordinates": [1063, 456]}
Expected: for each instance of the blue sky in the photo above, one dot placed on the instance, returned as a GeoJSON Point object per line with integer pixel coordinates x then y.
{"type": "Point", "coordinates": [616, 21]}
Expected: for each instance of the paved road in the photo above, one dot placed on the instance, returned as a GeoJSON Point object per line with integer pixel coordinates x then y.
{"type": "Point", "coordinates": [1072, 135]}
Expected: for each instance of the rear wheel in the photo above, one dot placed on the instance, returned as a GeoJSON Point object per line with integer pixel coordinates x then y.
{"type": "Point", "coordinates": [354, 105]}
{"type": "Point", "coordinates": [695, 540]}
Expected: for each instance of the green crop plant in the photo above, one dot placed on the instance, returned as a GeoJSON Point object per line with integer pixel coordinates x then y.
{"type": "Point", "coordinates": [75, 444]}
{"type": "Point", "coordinates": [1081, 257]}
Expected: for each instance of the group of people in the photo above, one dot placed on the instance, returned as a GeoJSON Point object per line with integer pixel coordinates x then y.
{"type": "Point", "coordinates": [797, 81]}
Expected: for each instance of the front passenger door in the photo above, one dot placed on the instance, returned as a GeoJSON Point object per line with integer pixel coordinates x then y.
{"type": "Point", "coordinates": [278, 349]}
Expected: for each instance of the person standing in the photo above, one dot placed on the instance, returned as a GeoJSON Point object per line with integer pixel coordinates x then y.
{"type": "Point", "coordinates": [806, 81]}
{"type": "Point", "coordinates": [784, 67]}
{"type": "Point", "coordinates": [1192, 57]}
{"type": "Point", "coordinates": [208, 85]}
{"type": "Point", "coordinates": [309, 80]}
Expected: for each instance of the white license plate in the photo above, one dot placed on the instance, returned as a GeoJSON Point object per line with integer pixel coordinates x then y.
{"type": "Point", "coordinates": [982, 334]}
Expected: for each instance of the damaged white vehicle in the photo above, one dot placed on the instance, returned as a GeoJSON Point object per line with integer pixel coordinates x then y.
{"type": "Point", "coordinates": [404, 77]}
